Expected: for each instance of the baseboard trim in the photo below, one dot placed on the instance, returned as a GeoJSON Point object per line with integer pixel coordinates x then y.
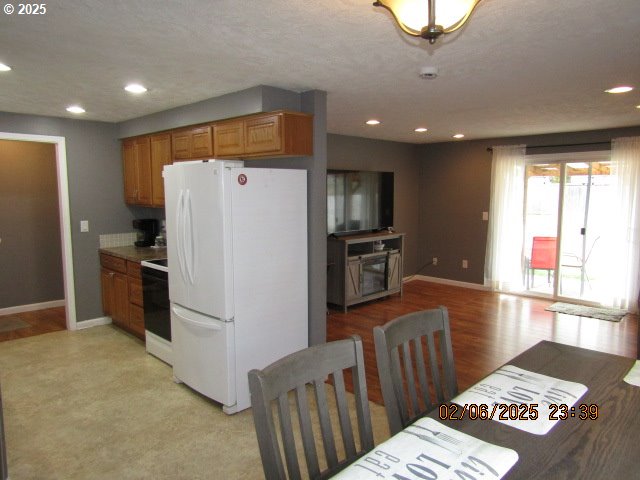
{"type": "Point", "coordinates": [446, 281]}
{"type": "Point", "coordinates": [94, 322]}
{"type": "Point", "coordinates": [31, 307]}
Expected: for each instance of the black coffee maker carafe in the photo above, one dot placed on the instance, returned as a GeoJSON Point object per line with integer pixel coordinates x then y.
{"type": "Point", "coordinates": [149, 229]}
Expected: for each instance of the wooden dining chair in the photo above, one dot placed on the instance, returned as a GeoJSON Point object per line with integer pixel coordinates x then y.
{"type": "Point", "coordinates": [408, 391]}
{"type": "Point", "coordinates": [300, 373]}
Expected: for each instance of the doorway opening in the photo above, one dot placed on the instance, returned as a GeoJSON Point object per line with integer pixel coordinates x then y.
{"type": "Point", "coordinates": [65, 216]}
{"type": "Point", "coordinates": [568, 201]}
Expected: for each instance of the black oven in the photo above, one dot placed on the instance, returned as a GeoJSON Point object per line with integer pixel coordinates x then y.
{"type": "Point", "coordinates": [157, 316]}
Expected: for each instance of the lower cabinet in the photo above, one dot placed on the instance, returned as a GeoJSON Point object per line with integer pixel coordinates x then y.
{"type": "Point", "coordinates": [122, 293]}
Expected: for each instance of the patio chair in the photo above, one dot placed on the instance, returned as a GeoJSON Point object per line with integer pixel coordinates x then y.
{"type": "Point", "coordinates": [543, 257]}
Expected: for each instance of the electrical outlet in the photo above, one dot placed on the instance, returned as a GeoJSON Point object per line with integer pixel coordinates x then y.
{"type": "Point", "coordinates": [465, 264]}
{"type": "Point", "coordinates": [84, 225]}
{"type": "Point", "coordinates": [434, 261]}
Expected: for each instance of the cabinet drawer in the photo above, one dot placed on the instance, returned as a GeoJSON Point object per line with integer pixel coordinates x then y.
{"type": "Point", "coordinates": [113, 263]}
{"type": "Point", "coordinates": [136, 320]}
{"type": "Point", "coordinates": [135, 291]}
{"type": "Point", "coordinates": [133, 269]}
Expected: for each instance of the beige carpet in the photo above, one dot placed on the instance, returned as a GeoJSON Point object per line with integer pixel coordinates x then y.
{"type": "Point", "coordinates": [93, 404]}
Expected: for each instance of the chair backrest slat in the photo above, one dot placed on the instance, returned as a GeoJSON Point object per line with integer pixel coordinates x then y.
{"type": "Point", "coordinates": [343, 414]}
{"type": "Point", "coordinates": [435, 373]}
{"type": "Point", "coordinates": [297, 372]}
{"type": "Point", "coordinates": [306, 431]}
{"type": "Point", "coordinates": [403, 409]}
{"type": "Point", "coordinates": [288, 440]}
{"type": "Point", "coordinates": [422, 372]}
{"type": "Point", "coordinates": [408, 375]}
{"type": "Point", "coordinates": [325, 423]}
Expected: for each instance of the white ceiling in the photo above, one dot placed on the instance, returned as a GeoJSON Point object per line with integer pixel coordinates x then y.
{"type": "Point", "coordinates": [517, 67]}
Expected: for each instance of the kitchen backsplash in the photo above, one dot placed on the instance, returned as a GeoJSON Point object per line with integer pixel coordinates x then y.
{"type": "Point", "coordinates": [118, 239]}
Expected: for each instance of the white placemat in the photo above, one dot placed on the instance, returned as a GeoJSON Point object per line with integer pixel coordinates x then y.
{"type": "Point", "coordinates": [633, 377]}
{"type": "Point", "coordinates": [525, 400]}
{"type": "Point", "coordinates": [428, 449]}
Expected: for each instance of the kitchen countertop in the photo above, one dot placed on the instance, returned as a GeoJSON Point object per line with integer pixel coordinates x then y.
{"type": "Point", "coordinates": [136, 254]}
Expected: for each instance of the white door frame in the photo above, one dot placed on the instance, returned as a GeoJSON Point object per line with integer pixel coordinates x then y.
{"type": "Point", "coordinates": [65, 216]}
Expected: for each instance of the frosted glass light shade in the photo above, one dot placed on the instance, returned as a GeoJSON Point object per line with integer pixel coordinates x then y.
{"type": "Point", "coordinates": [413, 15]}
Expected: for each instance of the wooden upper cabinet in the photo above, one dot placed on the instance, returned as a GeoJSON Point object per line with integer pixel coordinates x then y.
{"type": "Point", "coordinates": [193, 143]}
{"type": "Point", "coordinates": [129, 171]}
{"type": "Point", "coordinates": [143, 159]}
{"type": "Point", "coordinates": [264, 134]}
{"type": "Point", "coordinates": [136, 165]}
{"type": "Point", "coordinates": [228, 138]}
{"type": "Point", "coordinates": [277, 134]}
{"type": "Point", "coordinates": [180, 145]}
{"type": "Point", "coordinates": [160, 156]}
{"type": "Point", "coordinates": [143, 167]}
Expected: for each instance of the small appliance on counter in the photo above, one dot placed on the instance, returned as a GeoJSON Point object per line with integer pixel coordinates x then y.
{"type": "Point", "coordinates": [148, 230]}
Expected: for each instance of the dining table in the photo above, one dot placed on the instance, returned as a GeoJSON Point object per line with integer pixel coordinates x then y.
{"type": "Point", "coordinates": [595, 432]}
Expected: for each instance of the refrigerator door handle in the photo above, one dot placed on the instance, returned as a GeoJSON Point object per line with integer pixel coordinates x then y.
{"type": "Point", "coordinates": [179, 234]}
{"type": "Point", "coordinates": [189, 318]}
{"type": "Point", "coordinates": [190, 248]}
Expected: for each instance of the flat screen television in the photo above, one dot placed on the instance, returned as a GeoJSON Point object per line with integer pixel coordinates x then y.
{"type": "Point", "coordinates": [359, 201]}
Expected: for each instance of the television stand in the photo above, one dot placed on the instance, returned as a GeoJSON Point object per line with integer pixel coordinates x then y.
{"type": "Point", "coordinates": [358, 272]}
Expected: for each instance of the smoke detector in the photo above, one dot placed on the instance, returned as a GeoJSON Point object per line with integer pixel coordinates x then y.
{"type": "Point", "coordinates": [428, 73]}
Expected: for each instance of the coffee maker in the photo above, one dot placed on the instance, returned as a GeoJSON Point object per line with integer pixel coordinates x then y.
{"type": "Point", "coordinates": [148, 230]}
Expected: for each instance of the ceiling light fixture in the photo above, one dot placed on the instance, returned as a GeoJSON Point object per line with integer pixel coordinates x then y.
{"type": "Point", "coordinates": [621, 89]}
{"type": "Point", "coordinates": [422, 18]}
{"type": "Point", "coordinates": [4, 68]}
{"type": "Point", "coordinates": [459, 135]}
{"type": "Point", "coordinates": [373, 122]}
{"type": "Point", "coordinates": [75, 109]}
{"type": "Point", "coordinates": [420, 129]}
{"type": "Point", "coordinates": [135, 88]}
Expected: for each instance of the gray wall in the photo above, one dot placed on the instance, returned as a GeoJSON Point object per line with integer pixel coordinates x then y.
{"type": "Point", "coordinates": [345, 152]}
{"type": "Point", "coordinates": [455, 181]}
{"type": "Point", "coordinates": [94, 169]}
{"type": "Point", "coordinates": [30, 250]}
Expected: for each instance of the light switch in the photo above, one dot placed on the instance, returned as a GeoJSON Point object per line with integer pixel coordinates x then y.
{"type": "Point", "coordinates": [84, 225]}
{"type": "Point", "coordinates": [485, 216]}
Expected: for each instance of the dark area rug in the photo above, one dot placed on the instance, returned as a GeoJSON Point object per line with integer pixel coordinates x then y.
{"type": "Point", "coordinates": [601, 313]}
{"type": "Point", "coordinates": [12, 322]}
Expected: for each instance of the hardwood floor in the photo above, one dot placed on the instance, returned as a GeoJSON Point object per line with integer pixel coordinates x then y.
{"type": "Point", "coordinates": [487, 328]}
{"type": "Point", "coordinates": [40, 321]}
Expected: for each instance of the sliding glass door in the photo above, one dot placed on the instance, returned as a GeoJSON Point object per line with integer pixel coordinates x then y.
{"type": "Point", "coordinates": [567, 204]}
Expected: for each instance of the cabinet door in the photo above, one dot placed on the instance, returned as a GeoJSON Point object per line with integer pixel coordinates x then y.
{"type": "Point", "coordinates": [353, 280]}
{"type": "Point", "coordinates": [228, 139]}
{"type": "Point", "coordinates": [136, 321]}
{"type": "Point", "coordinates": [201, 145]}
{"type": "Point", "coordinates": [160, 156]}
{"type": "Point", "coordinates": [263, 134]}
{"type": "Point", "coordinates": [394, 271]}
{"type": "Point", "coordinates": [129, 171]}
{"type": "Point", "coordinates": [180, 145]}
{"type": "Point", "coordinates": [120, 310]}
{"type": "Point", "coordinates": [143, 170]}
{"type": "Point", "coordinates": [106, 282]}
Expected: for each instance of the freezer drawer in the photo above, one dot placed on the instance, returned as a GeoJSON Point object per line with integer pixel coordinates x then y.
{"type": "Point", "coordinates": [203, 355]}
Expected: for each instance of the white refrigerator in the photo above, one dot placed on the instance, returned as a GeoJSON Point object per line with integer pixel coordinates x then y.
{"type": "Point", "coordinates": [237, 258]}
